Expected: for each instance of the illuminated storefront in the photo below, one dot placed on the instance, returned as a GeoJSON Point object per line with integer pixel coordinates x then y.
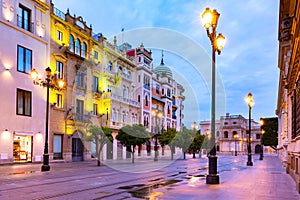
{"type": "Point", "coordinates": [22, 150]}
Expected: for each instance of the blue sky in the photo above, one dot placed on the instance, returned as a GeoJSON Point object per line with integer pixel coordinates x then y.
{"type": "Point", "coordinates": [248, 62]}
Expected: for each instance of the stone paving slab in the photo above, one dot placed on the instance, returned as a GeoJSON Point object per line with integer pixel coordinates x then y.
{"type": "Point", "coordinates": [263, 181]}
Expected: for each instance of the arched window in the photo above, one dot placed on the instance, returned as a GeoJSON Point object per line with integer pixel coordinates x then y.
{"type": "Point", "coordinates": [225, 134]}
{"type": "Point", "coordinates": [83, 50]}
{"type": "Point", "coordinates": [109, 67]}
{"type": "Point", "coordinates": [146, 99]}
{"type": "Point", "coordinates": [113, 116]}
{"type": "Point", "coordinates": [72, 43]}
{"type": "Point", "coordinates": [77, 47]}
{"type": "Point", "coordinates": [234, 133]}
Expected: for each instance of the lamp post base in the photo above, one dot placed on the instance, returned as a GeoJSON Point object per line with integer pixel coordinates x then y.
{"type": "Point", "coordinates": [261, 157]}
{"type": "Point", "coordinates": [155, 156]}
{"type": "Point", "coordinates": [212, 179]}
{"type": "Point", "coordinates": [45, 167]}
{"type": "Point", "coordinates": [249, 163]}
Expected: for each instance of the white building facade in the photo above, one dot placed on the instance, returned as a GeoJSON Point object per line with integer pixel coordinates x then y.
{"type": "Point", "coordinates": [24, 45]}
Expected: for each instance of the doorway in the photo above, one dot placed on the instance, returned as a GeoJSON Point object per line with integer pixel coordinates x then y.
{"type": "Point", "coordinates": [77, 149]}
{"type": "Point", "coordinates": [22, 149]}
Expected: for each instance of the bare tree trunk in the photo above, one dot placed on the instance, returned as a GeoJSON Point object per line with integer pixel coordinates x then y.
{"type": "Point", "coordinates": [184, 155]}
{"type": "Point", "coordinates": [98, 151]}
{"type": "Point", "coordinates": [171, 153]}
{"type": "Point", "coordinates": [133, 153]}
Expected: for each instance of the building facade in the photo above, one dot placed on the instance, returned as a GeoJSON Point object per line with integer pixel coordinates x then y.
{"type": "Point", "coordinates": [232, 134]}
{"type": "Point", "coordinates": [106, 84]}
{"type": "Point", "coordinates": [24, 45]}
{"type": "Point", "coordinates": [288, 109]}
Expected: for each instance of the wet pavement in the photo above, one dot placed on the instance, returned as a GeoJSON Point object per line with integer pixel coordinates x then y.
{"type": "Point", "coordinates": [145, 179]}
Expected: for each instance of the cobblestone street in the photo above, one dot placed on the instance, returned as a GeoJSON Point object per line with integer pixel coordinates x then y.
{"type": "Point", "coordinates": [181, 179]}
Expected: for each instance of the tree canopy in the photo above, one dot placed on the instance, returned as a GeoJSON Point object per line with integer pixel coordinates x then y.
{"type": "Point", "coordinates": [184, 139]}
{"type": "Point", "coordinates": [270, 136]}
{"type": "Point", "coordinates": [100, 136]}
{"type": "Point", "coordinates": [131, 136]}
{"type": "Point", "coordinates": [166, 138]}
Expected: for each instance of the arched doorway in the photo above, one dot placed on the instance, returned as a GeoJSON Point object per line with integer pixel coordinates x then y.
{"type": "Point", "coordinates": [77, 148]}
{"type": "Point", "coordinates": [109, 150]}
{"type": "Point", "coordinates": [257, 149]}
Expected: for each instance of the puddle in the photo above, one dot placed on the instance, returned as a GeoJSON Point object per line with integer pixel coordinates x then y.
{"type": "Point", "coordinates": [199, 175]}
{"type": "Point", "coordinates": [130, 186]}
{"type": "Point", "coordinates": [148, 191]}
{"type": "Point", "coordinates": [23, 172]}
{"type": "Point", "coordinates": [103, 192]}
{"type": "Point", "coordinates": [173, 175]}
{"type": "Point", "coordinates": [158, 179]}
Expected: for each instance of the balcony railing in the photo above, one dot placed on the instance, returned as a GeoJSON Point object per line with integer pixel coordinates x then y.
{"type": "Point", "coordinates": [120, 99]}
{"type": "Point", "coordinates": [82, 118]}
{"type": "Point", "coordinates": [59, 13]}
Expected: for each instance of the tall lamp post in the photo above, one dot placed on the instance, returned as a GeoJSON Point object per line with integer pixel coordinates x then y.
{"type": "Point", "coordinates": [250, 102]}
{"type": "Point", "coordinates": [195, 127]}
{"type": "Point", "coordinates": [49, 82]}
{"type": "Point", "coordinates": [261, 155]}
{"type": "Point", "coordinates": [156, 114]}
{"type": "Point", "coordinates": [235, 138]}
{"type": "Point", "coordinates": [210, 22]}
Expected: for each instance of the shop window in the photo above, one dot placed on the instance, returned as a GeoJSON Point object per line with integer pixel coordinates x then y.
{"type": "Point", "coordinates": [24, 59]}
{"type": "Point", "coordinates": [23, 102]}
{"type": "Point", "coordinates": [57, 147]}
{"type": "Point", "coordinates": [24, 18]}
{"type": "Point", "coordinates": [22, 148]}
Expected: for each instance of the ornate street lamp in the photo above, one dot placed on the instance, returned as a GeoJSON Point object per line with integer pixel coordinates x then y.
{"type": "Point", "coordinates": [249, 100]}
{"type": "Point", "coordinates": [261, 155]}
{"type": "Point", "coordinates": [156, 114]}
{"type": "Point", "coordinates": [49, 82]}
{"type": "Point", "coordinates": [235, 138]}
{"type": "Point", "coordinates": [194, 126]}
{"type": "Point", "coordinates": [210, 22]}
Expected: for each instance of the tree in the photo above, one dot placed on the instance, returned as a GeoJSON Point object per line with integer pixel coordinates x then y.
{"type": "Point", "coordinates": [270, 136]}
{"type": "Point", "coordinates": [132, 136]}
{"type": "Point", "coordinates": [184, 139]}
{"type": "Point", "coordinates": [166, 138]}
{"type": "Point", "coordinates": [100, 136]}
{"type": "Point", "coordinates": [196, 144]}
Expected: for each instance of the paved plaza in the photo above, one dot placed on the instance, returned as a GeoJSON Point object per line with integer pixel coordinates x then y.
{"type": "Point", "coordinates": [145, 179]}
